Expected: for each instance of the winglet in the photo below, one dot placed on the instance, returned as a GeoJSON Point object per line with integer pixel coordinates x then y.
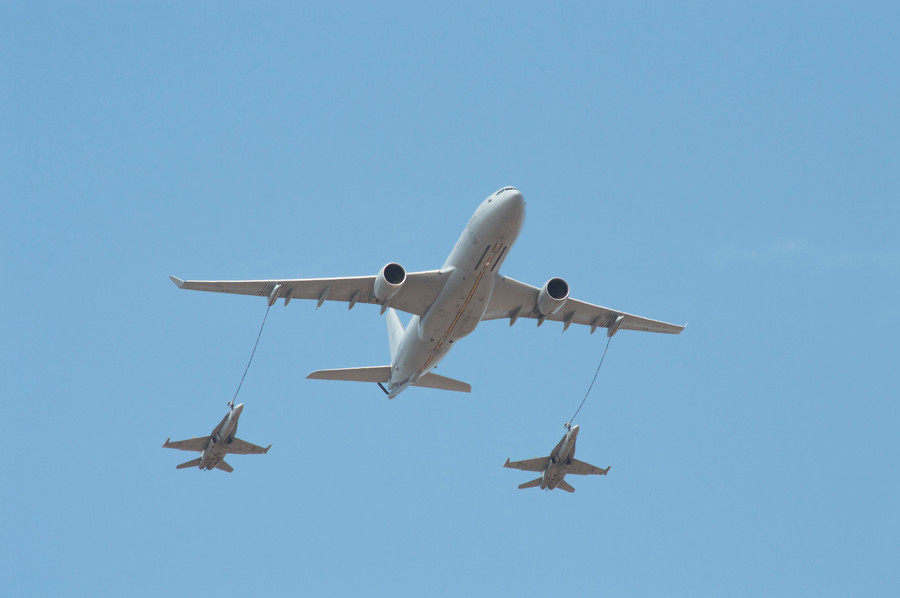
{"type": "Point", "coordinates": [507, 462]}
{"type": "Point", "coordinates": [166, 443]}
{"type": "Point", "coordinates": [267, 449]}
{"type": "Point", "coordinates": [178, 282]}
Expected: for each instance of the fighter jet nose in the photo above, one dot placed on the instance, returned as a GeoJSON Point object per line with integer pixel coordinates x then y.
{"type": "Point", "coordinates": [238, 408]}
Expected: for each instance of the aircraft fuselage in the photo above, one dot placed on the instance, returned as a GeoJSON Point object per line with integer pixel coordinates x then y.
{"type": "Point", "coordinates": [221, 436]}
{"type": "Point", "coordinates": [471, 269]}
{"type": "Point", "coordinates": [560, 459]}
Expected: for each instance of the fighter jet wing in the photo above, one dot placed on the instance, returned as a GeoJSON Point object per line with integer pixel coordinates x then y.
{"type": "Point", "coordinates": [418, 292]}
{"type": "Point", "coordinates": [513, 299]}
{"type": "Point", "coordinates": [538, 464]}
{"type": "Point", "coordinates": [582, 468]}
{"type": "Point", "coordinates": [192, 444]}
{"type": "Point", "coordinates": [242, 447]}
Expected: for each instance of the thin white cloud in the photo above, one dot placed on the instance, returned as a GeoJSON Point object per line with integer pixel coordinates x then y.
{"type": "Point", "coordinates": [801, 253]}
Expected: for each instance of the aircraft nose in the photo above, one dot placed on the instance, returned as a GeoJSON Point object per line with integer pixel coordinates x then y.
{"type": "Point", "coordinates": [512, 203]}
{"type": "Point", "coordinates": [238, 408]}
{"type": "Point", "coordinates": [513, 196]}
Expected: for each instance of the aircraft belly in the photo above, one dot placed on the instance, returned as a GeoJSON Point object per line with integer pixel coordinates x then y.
{"type": "Point", "coordinates": [459, 308]}
{"type": "Point", "coordinates": [455, 314]}
{"type": "Point", "coordinates": [416, 359]}
{"type": "Point", "coordinates": [212, 456]}
{"type": "Point", "coordinates": [553, 475]}
{"type": "Point", "coordinates": [415, 353]}
{"type": "Point", "coordinates": [466, 325]}
{"type": "Point", "coordinates": [465, 296]}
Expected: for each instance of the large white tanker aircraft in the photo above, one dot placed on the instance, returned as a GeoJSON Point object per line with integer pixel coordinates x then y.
{"type": "Point", "coordinates": [446, 304]}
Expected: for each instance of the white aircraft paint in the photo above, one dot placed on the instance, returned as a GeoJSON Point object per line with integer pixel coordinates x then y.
{"type": "Point", "coordinates": [471, 270]}
{"type": "Point", "coordinates": [446, 304]}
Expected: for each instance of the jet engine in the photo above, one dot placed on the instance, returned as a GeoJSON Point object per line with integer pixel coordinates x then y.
{"type": "Point", "coordinates": [389, 281]}
{"type": "Point", "coordinates": [553, 296]}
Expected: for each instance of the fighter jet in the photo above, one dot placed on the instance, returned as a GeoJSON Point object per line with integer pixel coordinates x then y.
{"type": "Point", "coordinates": [555, 467]}
{"type": "Point", "coordinates": [214, 447]}
{"type": "Point", "coordinates": [446, 304]}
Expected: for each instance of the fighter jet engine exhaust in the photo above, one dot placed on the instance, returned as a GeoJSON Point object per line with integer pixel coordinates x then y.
{"type": "Point", "coordinates": [553, 296]}
{"type": "Point", "coordinates": [388, 281]}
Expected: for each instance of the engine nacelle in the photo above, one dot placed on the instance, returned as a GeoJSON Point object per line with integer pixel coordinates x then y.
{"type": "Point", "coordinates": [389, 281]}
{"type": "Point", "coordinates": [553, 296]}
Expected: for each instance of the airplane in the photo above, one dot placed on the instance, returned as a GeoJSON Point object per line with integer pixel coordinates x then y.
{"type": "Point", "coordinates": [555, 467]}
{"type": "Point", "coordinates": [446, 304]}
{"type": "Point", "coordinates": [220, 442]}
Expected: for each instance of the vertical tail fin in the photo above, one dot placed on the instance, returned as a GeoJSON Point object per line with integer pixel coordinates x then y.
{"type": "Point", "coordinates": [564, 485]}
{"type": "Point", "coordinates": [395, 331]}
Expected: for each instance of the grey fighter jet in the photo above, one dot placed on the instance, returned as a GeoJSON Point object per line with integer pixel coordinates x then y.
{"type": "Point", "coordinates": [214, 447]}
{"type": "Point", "coordinates": [555, 467]}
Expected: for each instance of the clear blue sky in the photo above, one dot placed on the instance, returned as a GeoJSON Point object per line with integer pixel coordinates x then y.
{"type": "Point", "coordinates": [737, 168]}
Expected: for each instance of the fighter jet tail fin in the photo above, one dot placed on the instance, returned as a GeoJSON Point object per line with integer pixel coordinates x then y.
{"type": "Point", "coordinates": [224, 466]}
{"type": "Point", "coordinates": [193, 463]}
{"type": "Point", "coordinates": [564, 485]}
{"type": "Point", "coordinates": [531, 484]}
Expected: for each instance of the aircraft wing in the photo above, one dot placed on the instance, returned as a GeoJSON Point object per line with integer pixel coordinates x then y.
{"type": "Point", "coordinates": [242, 447]}
{"type": "Point", "coordinates": [192, 444]}
{"type": "Point", "coordinates": [538, 464]}
{"type": "Point", "coordinates": [415, 296]}
{"type": "Point", "coordinates": [513, 299]}
{"type": "Point", "coordinates": [582, 468]}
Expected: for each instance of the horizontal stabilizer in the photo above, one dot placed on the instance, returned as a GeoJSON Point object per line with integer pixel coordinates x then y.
{"type": "Point", "coordinates": [193, 463]}
{"type": "Point", "coordinates": [378, 373]}
{"type": "Point", "coordinates": [431, 380]}
{"type": "Point", "coordinates": [531, 484]}
{"type": "Point", "coordinates": [564, 485]}
{"type": "Point", "coordinates": [224, 466]}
